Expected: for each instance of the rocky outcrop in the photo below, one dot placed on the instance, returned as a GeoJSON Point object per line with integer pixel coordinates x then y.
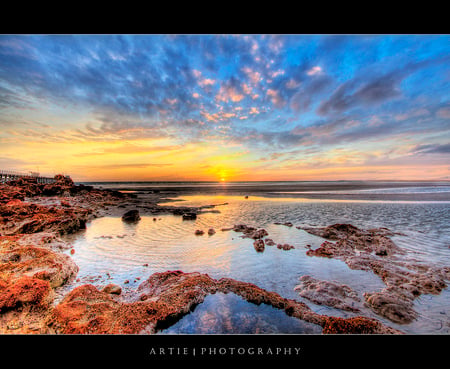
{"type": "Point", "coordinates": [165, 297]}
{"type": "Point", "coordinates": [31, 262]}
{"type": "Point", "coordinates": [373, 250]}
{"type": "Point", "coordinates": [17, 217]}
{"type": "Point", "coordinates": [328, 293]}
{"type": "Point", "coordinates": [37, 262]}
{"type": "Point", "coordinates": [24, 305]}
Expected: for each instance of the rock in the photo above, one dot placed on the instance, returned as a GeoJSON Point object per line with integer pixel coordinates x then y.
{"type": "Point", "coordinates": [211, 231]}
{"type": "Point", "coordinates": [287, 224]}
{"type": "Point", "coordinates": [259, 245]}
{"type": "Point", "coordinates": [25, 291]}
{"type": "Point", "coordinates": [249, 232]}
{"type": "Point", "coordinates": [356, 325]}
{"type": "Point", "coordinates": [131, 216]}
{"type": "Point", "coordinates": [37, 262]}
{"type": "Point", "coordinates": [285, 246]}
{"type": "Point", "coordinates": [392, 305]}
{"type": "Point", "coordinates": [22, 217]}
{"type": "Point", "coordinates": [269, 242]}
{"type": "Point", "coordinates": [260, 233]}
{"type": "Point", "coordinates": [243, 228]}
{"type": "Point", "coordinates": [65, 203]}
{"type": "Point", "coordinates": [189, 216]}
{"type": "Point", "coordinates": [328, 293]}
{"type": "Point", "coordinates": [113, 289]}
{"type": "Point", "coordinates": [199, 232]}
{"type": "Point", "coordinates": [166, 297]}
{"type": "Point", "coordinates": [373, 250]}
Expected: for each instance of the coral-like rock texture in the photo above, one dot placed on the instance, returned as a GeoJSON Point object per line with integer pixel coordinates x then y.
{"type": "Point", "coordinates": [373, 250]}
{"type": "Point", "coordinates": [165, 297]}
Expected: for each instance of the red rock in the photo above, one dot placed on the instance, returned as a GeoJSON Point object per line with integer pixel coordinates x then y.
{"type": "Point", "coordinates": [25, 291]}
{"type": "Point", "coordinates": [37, 262]}
{"type": "Point", "coordinates": [356, 325]}
{"type": "Point", "coordinates": [259, 245]}
{"type": "Point", "coordinates": [165, 297]}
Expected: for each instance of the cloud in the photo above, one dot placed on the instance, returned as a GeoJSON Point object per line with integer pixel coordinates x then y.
{"type": "Point", "coordinates": [134, 165]}
{"type": "Point", "coordinates": [309, 92]}
{"type": "Point", "coordinates": [229, 93]}
{"type": "Point", "coordinates": [129, 148]}
{"type": "Point", "coordinates": [443, 113]}
{"type": "Point", "coordinates": [314, 71]}
{"type": "Point", "coordinates": [431, 149]}
{"type": "Point", "coordinates": [370, 90]}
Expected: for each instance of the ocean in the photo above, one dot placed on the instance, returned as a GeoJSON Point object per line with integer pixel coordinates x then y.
{"type": "Point", "coordinates": [111, 251]}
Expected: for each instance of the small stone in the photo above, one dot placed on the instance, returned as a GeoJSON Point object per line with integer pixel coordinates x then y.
{"type": "Point", "coordinates": [113, 289]}
{"type": "Point", "coordinates": [131, 216]}
{"type": "Point", "coordinates": [199, 232]}
{"type": "Point", "coordinates": [259, 245]}
{"type": "Point", "coordinates": [211, 231]}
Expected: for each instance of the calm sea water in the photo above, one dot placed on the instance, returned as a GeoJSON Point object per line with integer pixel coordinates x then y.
{"type": "Point", "coordinates": [111, 251]}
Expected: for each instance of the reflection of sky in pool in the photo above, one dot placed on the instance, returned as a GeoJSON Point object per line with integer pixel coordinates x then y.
{"type": "Point", "coordinates": [228, 313]}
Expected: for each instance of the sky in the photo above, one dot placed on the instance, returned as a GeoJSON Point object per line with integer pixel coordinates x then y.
{"type": "Point", "coordinates": [212, 107]}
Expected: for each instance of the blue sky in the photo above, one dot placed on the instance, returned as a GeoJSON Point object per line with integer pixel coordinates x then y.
{"type": "Point", "coordinates": [226, 107]}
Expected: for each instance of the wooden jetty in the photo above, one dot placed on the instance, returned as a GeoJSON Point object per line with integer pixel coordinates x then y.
{"type": "Point", "coordinates": [11, 175]}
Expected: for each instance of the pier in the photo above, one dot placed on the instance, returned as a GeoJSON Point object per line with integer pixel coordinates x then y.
{"type": "Point", "coordinates": [11, 175]}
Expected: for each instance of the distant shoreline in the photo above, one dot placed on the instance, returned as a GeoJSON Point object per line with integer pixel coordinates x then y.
{"type": "Point", "coordinates": [332, 190]}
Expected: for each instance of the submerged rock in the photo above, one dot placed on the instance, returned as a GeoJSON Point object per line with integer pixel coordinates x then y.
{"type": "Point", "coordinates": [287, 224]}
{"type": "Point", "coordinates": [285, 247]}
{"type": "Point", "coordinates": [269, 242]}
{"type": "Point", "coordinates": [373, 250]}
{"type": "Point", "coordinates": [327, 293]}
{"type": "Point", "coordinates": [392, 304]}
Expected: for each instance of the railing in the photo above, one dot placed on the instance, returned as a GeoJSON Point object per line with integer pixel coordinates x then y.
{"type": "Point", "coordinates": [11, 175]}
